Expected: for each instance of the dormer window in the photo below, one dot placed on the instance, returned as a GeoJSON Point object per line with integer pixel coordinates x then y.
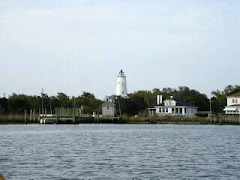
{"type": "Point", "coordinates": [234, 101]}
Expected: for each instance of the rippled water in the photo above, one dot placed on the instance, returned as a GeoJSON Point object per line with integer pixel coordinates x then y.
{"type": "Point", "coordinates": [119, 152]}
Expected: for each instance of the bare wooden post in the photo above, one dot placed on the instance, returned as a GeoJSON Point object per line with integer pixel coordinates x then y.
{"type": "Point", "coordinates": [150, 116]}
{"type": "Point", "coordinates": [30, 116]}
{"type": "Point", "coordinates": [56, 113]}
{"type": "Point", "coordinates": [43, 112]}
{"type": "Point", "coordinates": [39, 114]}
{"type": "Point", "coordinates": [79, 113]}
{"type": "Point", "coordinates": [74, 116]}
{"type": "Point", "coordinates": [239, 118]}
{"type": "Point", "coordinates": [34, 115]}
{"type": "Point", "coordinates": [25, 116]}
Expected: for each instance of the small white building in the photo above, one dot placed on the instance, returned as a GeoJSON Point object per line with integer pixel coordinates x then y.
{"type": "Point", "coordinates": [108, 108]}
{"type": "Point", "coordinates": [233, 104]}
{"type": "Point", "coordinates": [173, 106]}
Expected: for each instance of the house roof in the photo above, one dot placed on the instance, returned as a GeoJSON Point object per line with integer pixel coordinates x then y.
{"type": "Point", "coordinates": [108, 103]}
{"type": "Point", "coordinates": [235, 95]}
{"type": "Point", "coordinates": [180, 102]}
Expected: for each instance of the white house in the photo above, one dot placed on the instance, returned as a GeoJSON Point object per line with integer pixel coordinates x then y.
{"type": "Point", "coordinates": [233, 104]}
{"type": "Point", "coordinates": [108, 108]}
{"type": "Point", "coordinates": [173, 106]}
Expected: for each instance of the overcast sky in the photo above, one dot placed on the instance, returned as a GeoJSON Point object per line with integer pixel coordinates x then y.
{"type": "Point", "coordinates": [73, 46]}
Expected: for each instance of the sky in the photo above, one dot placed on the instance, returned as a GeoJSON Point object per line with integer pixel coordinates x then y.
{"type": "Point", "coordinates": [73, 46]}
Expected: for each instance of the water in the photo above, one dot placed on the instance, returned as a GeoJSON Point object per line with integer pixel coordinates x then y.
{"type": "Point", "coordinates": [119, 152]}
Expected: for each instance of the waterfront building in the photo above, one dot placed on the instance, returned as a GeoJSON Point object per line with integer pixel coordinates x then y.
{"type": "Point", "coordinates": [233, 104]}
{"type": "Point", "coordinates": [121, 89]}
{"type": "Point", "coordinates": [108, 108]}
{"type": "Point", "coordinates": [173, 106]}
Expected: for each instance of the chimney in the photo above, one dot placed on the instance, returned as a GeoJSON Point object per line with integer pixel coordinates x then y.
{"type": "Point", "coordinates": [159, 99]}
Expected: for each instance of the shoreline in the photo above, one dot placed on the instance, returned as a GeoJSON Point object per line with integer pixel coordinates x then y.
{"type": "Point", "coordinates": [211, 120]}
{"type": "Point", "coordinates": [121, 123]}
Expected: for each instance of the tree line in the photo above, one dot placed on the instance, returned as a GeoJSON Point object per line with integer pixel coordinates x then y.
{"type": "Point", "coordinates": [17, 103]}
{"type": "Point", "coordinates": [136, 102]}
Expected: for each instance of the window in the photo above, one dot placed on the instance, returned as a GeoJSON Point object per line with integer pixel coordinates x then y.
{"type": "Point", "coordinates": [107, 107]}
{"type": "Point", "coordinates": [234, 101]}
{"type": "Point", "coordinates": [172, 110]}
{"type": "Point", "coordinates": [160, 109]}
{"type": "Point", "coordinates": [166, 109]}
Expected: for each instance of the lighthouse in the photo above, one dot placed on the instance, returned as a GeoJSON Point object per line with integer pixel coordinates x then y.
{"type": "Point", "coordinates": [121, 89]}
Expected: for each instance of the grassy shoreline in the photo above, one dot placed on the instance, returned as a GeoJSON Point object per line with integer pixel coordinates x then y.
{"type": "Point", "coordinates": [215, 120]}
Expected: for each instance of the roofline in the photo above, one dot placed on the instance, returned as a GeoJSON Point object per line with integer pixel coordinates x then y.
{"type": "Point", "coordinates": [232, 106]}
{"type": "Point", "coordinates": [176, 106]}
{"type": "Point", "coordinates": [235, 95]}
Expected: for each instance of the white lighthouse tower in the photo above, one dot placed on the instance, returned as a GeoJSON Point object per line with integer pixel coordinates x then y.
{"type": "Point", "coordinates": [121, 89]}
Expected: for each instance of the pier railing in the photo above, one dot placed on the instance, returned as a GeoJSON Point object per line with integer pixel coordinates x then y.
{"type": "Point", "coordinates": [225, 118]}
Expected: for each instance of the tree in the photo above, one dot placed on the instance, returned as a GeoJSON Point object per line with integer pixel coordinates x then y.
{"type": "Point", "coordinates": [88, 95]}
{"type": "Point", "coordinates": [17, 103]}
{"type": "Point", "coordinates": [3, 105]}
{"type": "Point", "coordinates": [196, 98]}
{"type": "Point", "coordinates": [63, 100]}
